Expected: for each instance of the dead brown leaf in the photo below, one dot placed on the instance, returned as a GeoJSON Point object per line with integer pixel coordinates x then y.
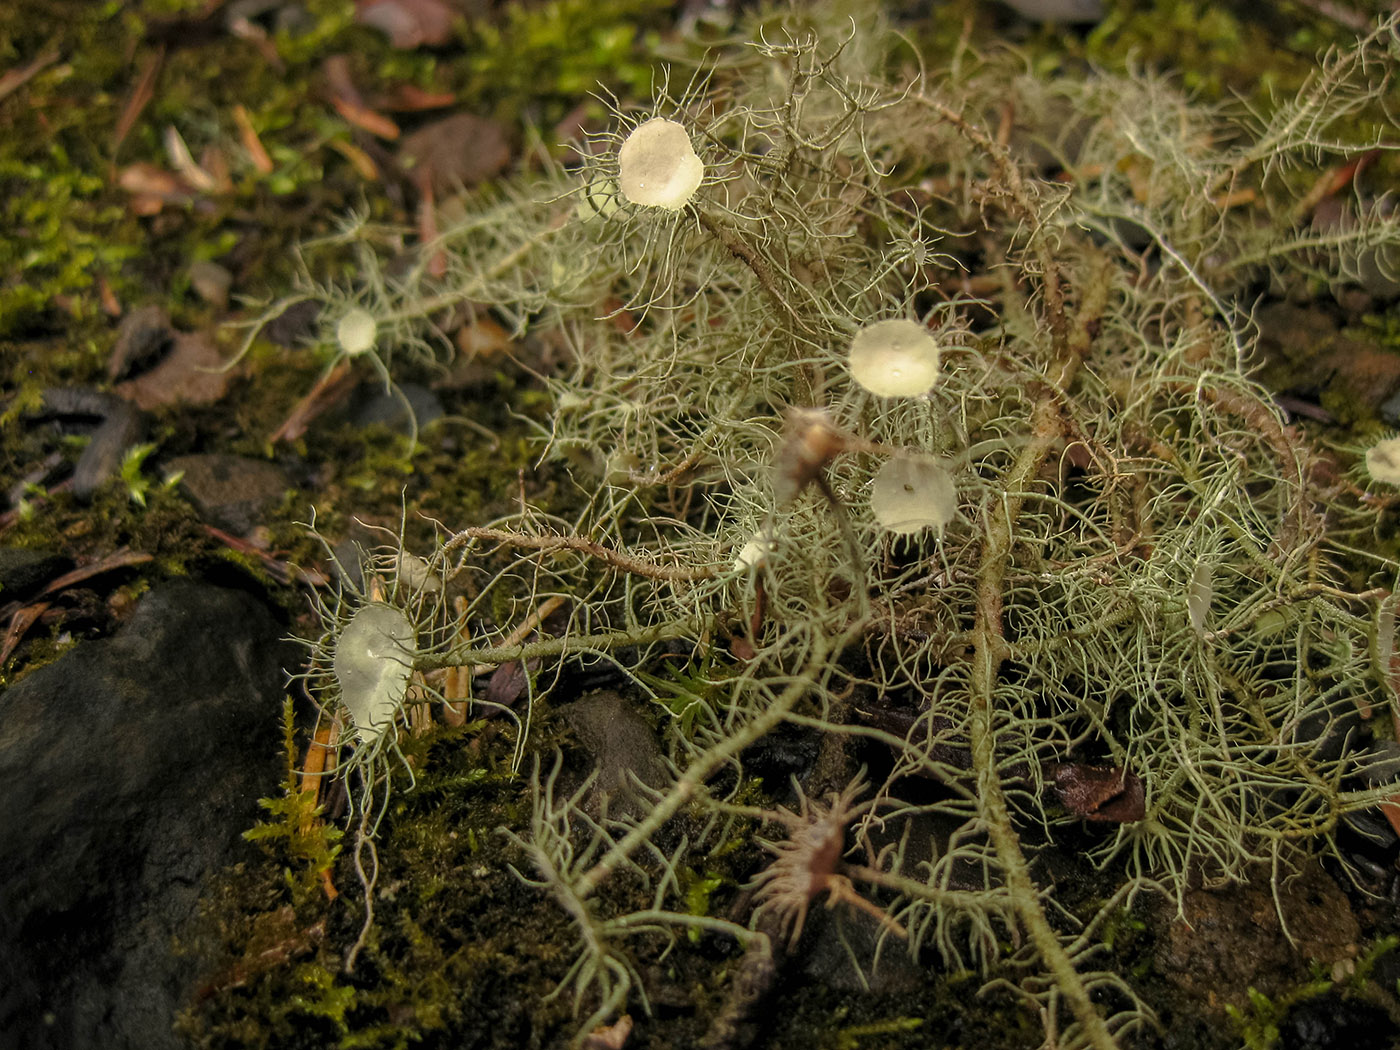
{"type": "Point", "coordinates": [111, 305]}
{"type": "Point", "coordinates": [408, 23]}
{"type": "Point", "coordinates": [482, 339]}
{"type": "Point", "coordinates": [26, 616]}
{"type": "Point", "coordinates": [409, 98]}
{"type": "Point", "coordinates": [192, 372]}
{"type": "Point", "coordinates": [152, 188]}
{"type": "Point", "coordinates": [252, 145]}
{"type": "Point", "coordinates": [456, 151]}
{"type": "Point", "coordinates": [1390, 809]}
{"type": "Point", "coordinates": [358, 158]}
{"type": "Point", "coordinates": [610, 1036]}
{"type": "Point", "coordinates": [366, 119]}
{"type": "Point", "coordinates": [20, 623]}
{"type": "Point", "coordinates": [1107, 794]}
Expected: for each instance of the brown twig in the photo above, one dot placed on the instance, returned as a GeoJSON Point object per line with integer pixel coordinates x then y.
{"type": "Point", "coordinates": [141, 94]}
{"type": "Point", "coordinates": [15, 79]}
{"type": "Point", "coordinates": [617, 559]}
{"type": "Point", "coordinates": [25, 617]}
{"type": "Point", "coordinates": [331, 388]}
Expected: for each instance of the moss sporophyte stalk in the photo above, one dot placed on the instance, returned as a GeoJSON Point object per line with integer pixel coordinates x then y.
{"type": "Point", "coordinates": [904, 425]}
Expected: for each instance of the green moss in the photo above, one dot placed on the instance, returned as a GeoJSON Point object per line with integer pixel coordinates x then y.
{"type": "Point", "coordinates": [554, 52]}
{"type": "Point", "coordinates": [297, 835]}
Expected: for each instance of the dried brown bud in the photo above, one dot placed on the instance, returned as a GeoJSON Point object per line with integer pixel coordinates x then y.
{"type": "Point", "coordinates": [1101, 793]}
{"type": "Point", "coordinates": [810, 442]}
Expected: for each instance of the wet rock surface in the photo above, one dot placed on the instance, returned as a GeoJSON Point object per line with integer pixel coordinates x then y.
{"type": "Point", "coordinates": [24, 571]}
{"type": "Point", "coordinates": [232, 492]}
{"type": "Point", "coordinates": [1228, 940]}
{"type": "Point", "coordinates": [623, 745]}
{"type": "Point", "coordinates": [131, 766]}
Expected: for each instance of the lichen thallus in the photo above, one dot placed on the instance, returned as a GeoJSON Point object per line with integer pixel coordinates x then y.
{"type": "Point", "coordinates": [1053, 520]}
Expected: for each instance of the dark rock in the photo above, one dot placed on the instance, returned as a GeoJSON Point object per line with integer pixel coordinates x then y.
{"type": "Point", "coordinates": [622, 743]}
{"type": "Point", "coordinates": [405, 408]}
{"type": "Point", "coordinates": [144, 336]}
{"type": "Point", "coordinates": [233, 492]}
{"type": "Point", "coordinates": [1228, 940]}
{"type": "Point", "coordinates": [1303, 351]}
{"type": "Point", "coordinates": [294, 325]}
{"type": "Point", "coordinates": [102, 459]}
{"type": "Point", "coordinates": [842, 952]}
{"type": "Point", "coordinates": [211, 282]}
{"type": "Point", "coordinates": [120, 426]}
{"type": "Point", "coordinates": [131, 766]}
{"type": "Point", "coordinates": [1335, 1022]}
{"type": "Point", "coordinates": [24, 571]}
{"type": "Point", "coordinates": [192, 371]}
{"type": "Point", "coordinates": [1067, 11]}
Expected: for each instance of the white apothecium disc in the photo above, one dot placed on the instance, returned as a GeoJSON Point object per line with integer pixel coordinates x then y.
{"type": "Point", "coordinates": [894, 359]}
{"type": "Point", "coordinates": [912, 493]}
{"type": "Point", "coordinates": [356, 332]}
{"type": "Point", "coordinates": [755, 552]}
{"type": "Point", "coordinates": [657, 165]}
{"type": "Point", "coordinates": [1383, 461]}
{"type": "Point", "coordinates": [373, 664]}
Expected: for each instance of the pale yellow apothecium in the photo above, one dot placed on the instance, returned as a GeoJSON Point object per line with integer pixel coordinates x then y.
{"type": "Point", "coordinates": [895, 358]}
{"type": "Point", "coordinates": [658, 167]}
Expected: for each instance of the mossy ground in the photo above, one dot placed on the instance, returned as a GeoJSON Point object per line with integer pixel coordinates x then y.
{"type": "Point", "coordinates": [461, 953]}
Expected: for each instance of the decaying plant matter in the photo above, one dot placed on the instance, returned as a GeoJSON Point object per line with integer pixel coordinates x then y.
{"type": "Point", "coordinates": [1143, 570]}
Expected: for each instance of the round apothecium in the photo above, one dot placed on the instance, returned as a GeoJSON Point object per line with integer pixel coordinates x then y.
{"type": "Point", "coordinates": [894, 358]}
{"type": "Point", "coordinates": [912, 493]}
{"type": "Point", "coordinates": [373, 664]}
{"type": "Point", "coordinates": [356, 332]}
{"type": "Point", "coordinates": [657, 166]}
{"type": "Point", "coordinates": [1383, 461]}
{"type": "Point", "coordinates": [754, 553]}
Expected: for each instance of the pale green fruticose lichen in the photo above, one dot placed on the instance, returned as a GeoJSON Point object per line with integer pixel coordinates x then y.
{"type": "Point", "coordinates": [1103, 426]}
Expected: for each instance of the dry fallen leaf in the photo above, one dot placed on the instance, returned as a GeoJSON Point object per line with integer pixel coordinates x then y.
{"type": "Point", "coordinates": [152, 188]}
{"type": "Point", "coordinates": [409, 98]}
{"type": "Point", "coordinates": [482, 338]}
{"type": "Point", "coordinates": [408, 23]}
{"type": "Point", "coordinates": [192, 372]}
{"type": "Point", "coordinates": [252, 145]}
{"type": "Point", "coordinates": [1101, 793]}
{"type": "Point", "coordinates": [26, 616]}
{"type": "Point", "coordinates": [456, 151]}
{"type": "Point", "coordinates": [358, 158]}
{"type": "Point", "coordinates": [366, 119]}
{"type": "Point", "coordinates": [610, 1036]}
{"type": "Point", "coordinates": [349, 103]}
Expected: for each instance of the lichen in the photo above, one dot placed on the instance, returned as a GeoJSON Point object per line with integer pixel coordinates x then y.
{"type": "Point", "coordinates": [627, 481]}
